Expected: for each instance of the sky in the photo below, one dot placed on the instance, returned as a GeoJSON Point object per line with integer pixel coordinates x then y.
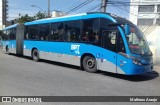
{"type": "Point", "coordinates": [23, 7]}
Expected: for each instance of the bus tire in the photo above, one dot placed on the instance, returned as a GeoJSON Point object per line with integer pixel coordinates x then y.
{"type": "Point", "coordinates": [35, 55]}
{"type": "Point", "coordinates": [7, 50]}
{"type": "Point", "coordinates": [90, 64]}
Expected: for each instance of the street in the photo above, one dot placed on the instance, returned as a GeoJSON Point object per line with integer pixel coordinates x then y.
{"type": "Point", "coordinates": [21, 76]}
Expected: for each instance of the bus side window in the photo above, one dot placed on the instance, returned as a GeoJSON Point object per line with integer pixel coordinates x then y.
{"type": "Point", "coordinates": [72, 31]}
{"type": "Point", "coordinates": [9, 34]}
{"type": "Point", "coordinates": [57, 31]}
{"type": "Point", "coordinates": [90, 32]}
{"type": "Point", "coordinates": [44, 32]}
{"type": "Point", "coordinates": [108, 34]}
{"type": "Point", "coordinates": [109, 40]}
{"type": "Point", "coordinates": [33, 32]}
{"type": "Point", "coordinates": [5, 36]}
{"type": "Point", "coordinates": [14, 33]}
{"type": "Point", "coordinates": [26, 33]}
{"type": "Point", "coordinates": [120, 44]}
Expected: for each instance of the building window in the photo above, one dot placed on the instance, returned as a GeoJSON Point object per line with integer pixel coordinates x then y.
{"type": "Point", "coordinates": [146, 8]}
{"type": "Point", "coordinates": [158, 8]}
{"type": "Point", "coordinates": [158, 21]}
{"type": "Point", "coordinates": [145, 22]}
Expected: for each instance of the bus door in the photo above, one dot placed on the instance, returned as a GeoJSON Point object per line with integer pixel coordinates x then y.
{"type": "Point", "coordinates": [121, 55]}
{"type": "Point", "coordinates": [108, 55]}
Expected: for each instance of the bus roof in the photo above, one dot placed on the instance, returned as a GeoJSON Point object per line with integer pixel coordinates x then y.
{"type": "Point", "coordinates": [12, 26]}
{"type": "Point", "coordinates": [73, 17]}
{"type": "Point", "coordinates": [110, 16]}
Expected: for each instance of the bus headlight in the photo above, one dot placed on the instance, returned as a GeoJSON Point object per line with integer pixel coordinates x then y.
{"type": "Point", "coordinates": [136, 61]}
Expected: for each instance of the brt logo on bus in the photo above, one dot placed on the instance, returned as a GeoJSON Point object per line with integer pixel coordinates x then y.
{"type": "Point", "coordinates": [75, 48]}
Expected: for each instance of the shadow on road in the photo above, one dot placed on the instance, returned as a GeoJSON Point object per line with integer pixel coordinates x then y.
{"type": "Point", "coordinates": [133, 78]}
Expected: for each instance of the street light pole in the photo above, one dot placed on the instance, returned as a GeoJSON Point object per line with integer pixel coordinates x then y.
{"type": "Point", "coordinates": [32, 5]}
{"type": "Point", "coordinates": [48, 8]}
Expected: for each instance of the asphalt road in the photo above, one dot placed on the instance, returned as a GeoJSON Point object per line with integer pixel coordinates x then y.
{"type": "Point", "coordinates": [21, 76]}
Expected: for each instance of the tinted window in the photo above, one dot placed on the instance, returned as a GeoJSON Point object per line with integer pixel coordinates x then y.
{"type": "Point", "coordinates": [44, 32]}
{"type": "Point", "coordinates": [120, 44]}
{"type": "Point", "coordinates": [8, 32]}
{"type": "Point", "coordinates": [109, 34]}
{"type": "Point", "coordinates": [5, 36]}
{"type": "Point", "coordinates": [105, 24]}
{"type": "Point", "coordinates": [72, 31]}
{"type": "Point", "coordinates": [109, 39]}
{"type": "Point", "coordinates": [90, 31]}
{"type": "Point", "coordinates": [33, 32]}
{"type": "Point", "coordinates": [158, 8]}
{"type": "Point", "coordinates": [57, 32]}
{"type": "Point", "coordinates": [26, 33]}
{"type": "Point", "coordinates": [13, 33]}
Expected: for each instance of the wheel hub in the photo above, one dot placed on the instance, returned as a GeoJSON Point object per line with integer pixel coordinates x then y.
{"type": "Point", "coordinates": [90, 63]}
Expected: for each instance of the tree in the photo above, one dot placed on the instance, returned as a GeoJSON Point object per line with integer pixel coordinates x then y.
{"type": "Point", "coordinates": [40, 15]}
{"type": "Point", "coordinates": [25, 18]}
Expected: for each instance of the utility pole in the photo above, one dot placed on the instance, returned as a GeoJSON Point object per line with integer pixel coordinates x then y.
{"type": "Point", "coordinates": [48, 8]}
{"type": "Point", "coordinates": [103, 6]}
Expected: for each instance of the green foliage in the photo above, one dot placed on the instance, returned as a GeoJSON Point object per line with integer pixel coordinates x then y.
{"type": "Point", "coordinates": [40, 15]}
{"type": "Point", "coordinates": [27, 18]}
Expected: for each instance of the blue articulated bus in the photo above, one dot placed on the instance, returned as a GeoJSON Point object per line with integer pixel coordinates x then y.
{"type": "Point", "coordinates": [93, 41]}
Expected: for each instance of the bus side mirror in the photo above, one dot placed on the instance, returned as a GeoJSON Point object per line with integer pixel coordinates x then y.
{"type": "Point", "coordinates": [127, 29]}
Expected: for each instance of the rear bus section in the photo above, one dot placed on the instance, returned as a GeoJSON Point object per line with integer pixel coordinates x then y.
{"type": "Point", "coordinates": [13, 39]}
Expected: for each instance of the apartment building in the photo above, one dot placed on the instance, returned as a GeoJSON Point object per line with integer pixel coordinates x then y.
{"type": "Point", "coordinates": [3, 13]}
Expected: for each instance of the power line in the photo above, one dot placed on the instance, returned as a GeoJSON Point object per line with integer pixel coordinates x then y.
{"type": "Point", "coordinates": [93, 8]}
{"type": "Point", "coordinates": [73, 5]}
{"type": "Point", "coordinates": [79, 6]}
{"type": "Point", "coordinates": [74, 8]}
{"type": "Point", "coordinates": [118, 9]}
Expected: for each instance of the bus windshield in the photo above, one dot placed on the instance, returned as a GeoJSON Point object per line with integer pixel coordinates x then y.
{"type": "Point", "coordinates": [137, 42]}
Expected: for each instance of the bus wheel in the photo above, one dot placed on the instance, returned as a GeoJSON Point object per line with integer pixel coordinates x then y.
{"type": "Point", "coordinates": [89, 64]}
{"type": "Point", "coordinates": [7, 50]}
{"type": "Point", "coordinates": [35, 55]}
